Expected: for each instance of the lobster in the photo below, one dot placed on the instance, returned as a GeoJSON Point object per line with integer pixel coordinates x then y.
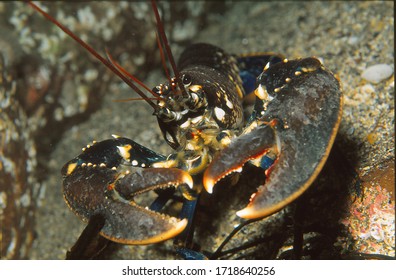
{"type": "Point", "coordinates": [200, 111]}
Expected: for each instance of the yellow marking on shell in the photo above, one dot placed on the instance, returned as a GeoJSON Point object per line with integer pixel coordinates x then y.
{"type": "Point", "coordinates": [288, 80]}
{"type": "Point", "coordinates": [308, 69]}
{"type": "Point", "coordinates": [297, 73]}
{"type": "Point", "coordinates": [115, 136]}
{"type": "Point", "coordinates": [70, 168]}
{"type": "Point", "coordinates": [240, 92]}
{"type": "Point", "coordinates": [125, 151]}
{"type": "Point", "coordinates": [225, 141]}
{"type": "Point", "coordinates": [102, 165]}
{"type": "Point", "coordinates": [285, 60]}
{"type": "Point", "coordinates": [166, 164]}
{"type": "Point", "coordinates": [89, 164]}
{"type": "Point", "coordinates": [261, 92]}
{"type": "Point", "coordinates": [195, 88]}
{"type": "Point", "coordinates": [229, 103]}
{"type": "Point", "coordinates": [267, 66]}
{"type": "Point", "coordinates": [279, 88]}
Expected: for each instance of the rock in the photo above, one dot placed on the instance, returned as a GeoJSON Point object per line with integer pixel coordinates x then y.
{"type": "Point", "coordinates": [377, 73]}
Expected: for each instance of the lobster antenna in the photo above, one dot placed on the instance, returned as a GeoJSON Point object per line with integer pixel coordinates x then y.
{"type": "Point", "coordinates": [162, 35]}
{"type": "Point", "coordinates": [133, 99]}
{"type": "Point", "coordinates": [161, 50]}
{"type": "Point", "coordinates": [95, 54]}
{"type": "Point", "coordinates": [129, 75]}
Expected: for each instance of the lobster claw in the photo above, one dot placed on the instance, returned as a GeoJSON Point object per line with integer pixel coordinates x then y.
{"type": "Point", "coordinates": [250, 146]}
{"type": "Point", "coordinates": [90, 191]}
{"type": "Point", "coordinates": [305, 134]}
{"type": "Point", "coordinates": [306, 138]}
{"type": "Point", "coordinates": [296, 168]}
{"type": "Point", "coordinates": [98, 189]}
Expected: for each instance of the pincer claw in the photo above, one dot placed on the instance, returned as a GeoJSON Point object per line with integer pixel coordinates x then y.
{"type": "Point", "coordinates": [242, 149]}
{"type": "Point", "coordinates": [300, 138]}
{"type": "Point", "coordinates": [101, 191]}
{"type": "Point", "coordinates": [307, 136]}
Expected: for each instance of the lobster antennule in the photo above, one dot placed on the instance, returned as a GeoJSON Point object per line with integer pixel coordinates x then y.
{"type": "Point", "coordinates": [108, 64]}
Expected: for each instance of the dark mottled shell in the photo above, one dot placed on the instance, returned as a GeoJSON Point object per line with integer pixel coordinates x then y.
{"type": "Point", "coordinates": [307, 100]}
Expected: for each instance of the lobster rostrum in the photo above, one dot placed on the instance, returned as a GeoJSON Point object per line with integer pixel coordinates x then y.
{"type": "Point", "coordinates": [200, 112]}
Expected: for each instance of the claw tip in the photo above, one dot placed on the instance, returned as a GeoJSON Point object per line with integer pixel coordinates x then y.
{"type": "Point", "coordinates": [188, 180]}
{"type": "Point", "coordinates": [246, 213]}
{"type": "Point", "coordinates": [181, 225]}
{"type": "Point", "coordinates": [208, 184]}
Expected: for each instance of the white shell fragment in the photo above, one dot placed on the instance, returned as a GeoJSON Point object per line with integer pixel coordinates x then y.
{"type": "Point", "coordinates": [377, 73]}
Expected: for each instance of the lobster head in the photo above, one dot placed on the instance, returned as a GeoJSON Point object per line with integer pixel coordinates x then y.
{"type": "Point", "coordinates": [207, 94]}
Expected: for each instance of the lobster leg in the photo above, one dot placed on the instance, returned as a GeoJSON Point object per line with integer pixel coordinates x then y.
{"type": "Point", "coordinates": [92, 185]}
{"type": "Point", "coordinates": [90, 243]}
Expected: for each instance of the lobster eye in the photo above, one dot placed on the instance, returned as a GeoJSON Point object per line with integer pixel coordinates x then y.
{"type": "Point", "coordinates": [157, 90]}
{"type": "Point", "coordinates": [186, 80]}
